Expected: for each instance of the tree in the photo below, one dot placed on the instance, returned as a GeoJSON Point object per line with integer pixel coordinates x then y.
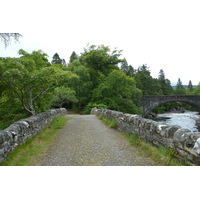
{"type": "Point", "coordinates": [101, 61]}
{"type": "Point", "coordinates": [190, 86]}
{"type": "Point", "coordinates": [73, 57]}
{"type": "Point", "coordinates": [82, 85]}
{"type": "Point", "coordinates": [64, 63]}
{"type": "Point", "coordinates": [118, 92]}
{"type": "Point", "coordinates": [165, 83]}
{"type": "Point", "coordinates": [146, 83]}
{"type": "Point", "coordinates": [6, 38]}
{"type": "Point", "coordinates": [196, 90]}
{"type": "Point", "coordinates": [161, 76]}
{"type": "Point", "coordinates": [63, 95]}
{"type": "Point", "coordinates": [56, 59]}
{"type": "Point", "coordinates": [100, 58]}
{"type": "Point", "coordinates": [179, 88]}
{"type": "Point", "coordinates": [30, 77]}
{"type": "Point", "coordinates": [127, 69]}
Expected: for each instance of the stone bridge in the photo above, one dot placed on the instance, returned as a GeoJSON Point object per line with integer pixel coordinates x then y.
{"type": "Point", "coordinates": [148, 103]}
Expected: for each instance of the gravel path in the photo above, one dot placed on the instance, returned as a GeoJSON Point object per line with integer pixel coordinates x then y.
{"type": "Point", "coordinates": [86, 141]}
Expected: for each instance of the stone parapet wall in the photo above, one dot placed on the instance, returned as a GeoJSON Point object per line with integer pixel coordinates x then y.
{"type": "Point", "coordinates": [185, 143]}
{"type": "Point", "coordinates": [17, 133]}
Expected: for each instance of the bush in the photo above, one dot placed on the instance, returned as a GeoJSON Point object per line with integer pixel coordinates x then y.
{"type": "Point", "coordinates": [91, 105]}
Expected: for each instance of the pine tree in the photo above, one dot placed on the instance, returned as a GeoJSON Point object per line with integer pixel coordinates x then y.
{"type": "Point", "coordinates": [179, 88]}
{"type": "Point", "coordinates": [190, 86]}
{"type": "Point", "coordinates": [56, 59]}
{"type": "Point", "coordinates": [73, 57]}
{"type": "Point", "coordinates": [161, 76]}
{"type": "Point", "coordinates": [127, 69]}
{"type": "Point", "coordinates": [165, 83]}
{"type": "Point", "coordinates": [64, 63]}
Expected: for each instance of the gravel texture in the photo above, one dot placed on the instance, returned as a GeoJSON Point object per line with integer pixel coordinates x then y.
{"type": "Point", "coordinates": [86, 141]}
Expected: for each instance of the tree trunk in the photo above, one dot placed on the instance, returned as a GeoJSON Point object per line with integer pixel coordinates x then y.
{"type": "Point", "coordinates": [32, 110]}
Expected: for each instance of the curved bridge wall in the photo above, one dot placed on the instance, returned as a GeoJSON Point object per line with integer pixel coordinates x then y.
{"type": "Point", "coordinates": [17, 133]}
{"type": "Point", "coordinates": [185, 143]}
{"type": "Point", "coordinates": [148, 103]}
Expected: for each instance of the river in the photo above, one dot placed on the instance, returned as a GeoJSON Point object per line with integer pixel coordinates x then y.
{"type": "Point", "coordinates": [185, 120]}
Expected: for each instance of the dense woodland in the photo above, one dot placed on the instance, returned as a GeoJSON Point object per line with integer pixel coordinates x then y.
{"type": "Point", "coordinates": [97, 77]}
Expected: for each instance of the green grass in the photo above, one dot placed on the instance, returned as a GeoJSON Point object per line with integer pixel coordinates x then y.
{"type": "Point", "coordinates": [110, 123]}
{"type": "Point", "coordinates": [29, 152]}
{"type": "Point", "coordinates": [160, 155]}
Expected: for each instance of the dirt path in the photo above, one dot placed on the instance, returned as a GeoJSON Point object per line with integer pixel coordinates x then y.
{"type": "Point", "coordinates": [86, 141]}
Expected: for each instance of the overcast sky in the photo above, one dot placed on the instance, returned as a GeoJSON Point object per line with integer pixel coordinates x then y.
{"type": "Point", "coordinates": [162, 34]}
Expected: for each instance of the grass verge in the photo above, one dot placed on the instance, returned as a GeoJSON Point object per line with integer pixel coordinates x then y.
{"type": "Point", "coordinates": [110, 123]}
{"type": "Point", "coordinates": [27, 153]}
{"type": "Point", "coordinates": [160, 155]}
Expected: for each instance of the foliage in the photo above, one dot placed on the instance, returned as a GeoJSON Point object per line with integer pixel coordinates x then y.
{"type": "Point", "coordinates": [165, 84]}
{"type": "Point", "coordinates": [31, 76]}
{"type": "Point", "coordinates": [91, 105]}
{"type": "Point", "coordinates": [56, 59]}
{"type": "Point", "coordinates": [118, 92]}
{"type": "Point", "coordinates": [82, 85]}
{"type": "Point", "coordinates": [179, 88]}
{"type": "Point", "coordinates": [10, 109]}
{"type": "Point", "coordinates": [73, 57]}
{"type": "Point", "coordinates": [196, 91]}
{"type": "Point", "coordinates": [146, 83]}
{"type": "Point", "coordinates": [6, 38]}
{"type": "Point", "coordinates": [98, 77]}
{"type": "Point", "coordinates": [189, 89]}
{"type": "Point", "coordinates": [171, 107]}
{"type": "Point", "coordinates": [101, 61]}
{"type": "Point", "coordinates": [127, 69]}
{"type": "Point", "coordinates": [63, 95]}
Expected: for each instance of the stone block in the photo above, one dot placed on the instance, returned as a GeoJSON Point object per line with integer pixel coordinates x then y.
{"type": "Point", "coordinates": [180, 137]}
{"type": "Point", "coordinates": [2, 151]}
{"type": "Point", "coordinates": [2, 158]}
{"type": "Point", "coordinates": [171, 130]}
{"type": "Point", "coordinates": [191, 140]}
{"type": "Point", "coordinates": [197, 146]}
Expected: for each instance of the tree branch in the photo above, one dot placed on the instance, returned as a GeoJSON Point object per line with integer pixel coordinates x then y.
{"type": "Point", "coordinates": [45, 90]}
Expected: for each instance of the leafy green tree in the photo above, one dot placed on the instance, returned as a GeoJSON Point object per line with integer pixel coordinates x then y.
{"type": "Point", "coordinates": [30, 77]}
{"type": "Point", "coordinates": [196, 90]}
{"type": "Point", "coordinates": [82, 85]}
{"type": "Point", "coordinates": [6, 38]}
{"type": "Point", "coordinates": [101, 61]}
{"type": "Point", "coordinates": [127, 69]}
{"type": "Point", "coordinates": [146, 83]}
{"type": "Point", "coordinates": [118, 92]}
{"type": "Point", "coordinates": [63, 95]}
{"type": "Point", "coordinates": [56, 59]}
{"type": "Point", "coordinates": [73, 57]}
{"type": "Point", "coordinates": [179, 88]}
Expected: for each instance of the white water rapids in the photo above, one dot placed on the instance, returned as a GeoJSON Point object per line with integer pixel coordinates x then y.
{"type": "Point", "coordinates": [185, 120]}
